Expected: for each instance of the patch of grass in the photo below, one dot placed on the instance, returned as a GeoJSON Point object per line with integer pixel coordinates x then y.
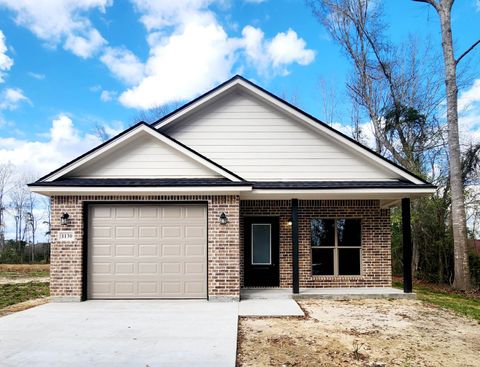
{"type": "Point", "coordinates": [11, 294]}
{"type": "Point", "coordinates": [459, 303]}
{"type": "Point", "coordinates": [17, 275]}
{"type": "Point", "coordinates": [16, 271]}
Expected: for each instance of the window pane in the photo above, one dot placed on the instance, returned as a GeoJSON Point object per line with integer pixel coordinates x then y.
{"type": "Point", "coordinates": [349, 232]}
{"type": "Point", "coordinates": [349, 261]}
{"type": "Point", "coordinates": [323, 232]}
{"type": "Point", "coordinates": [322, 261]}
{"type": "Point", "coordinates": [261, 244]}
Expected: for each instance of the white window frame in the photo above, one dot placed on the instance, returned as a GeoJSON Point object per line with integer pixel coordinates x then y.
{"type": "Point", "coordinates": [336, 249]}
{"type": "Point", "coordinates": [270, 242]}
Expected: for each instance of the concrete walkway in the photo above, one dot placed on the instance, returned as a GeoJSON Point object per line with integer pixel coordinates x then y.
{"type": "Point", "coordinates": [121, 333]}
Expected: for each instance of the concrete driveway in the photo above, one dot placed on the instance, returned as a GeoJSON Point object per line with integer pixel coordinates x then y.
{"type": "Point", "coordinates": [121, 333]}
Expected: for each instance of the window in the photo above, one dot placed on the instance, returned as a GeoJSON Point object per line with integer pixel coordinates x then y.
{"type": "Point", "coordinates": [261, 244]}
{"type": "Point", "coordinates": [336, 246]}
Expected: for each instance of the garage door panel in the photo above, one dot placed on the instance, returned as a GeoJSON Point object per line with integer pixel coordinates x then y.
{"type": "Point", "coordinates": [195, 250]}
{"type": "Point", "coordinates": [147, 251]}
{"type": "Point", "coordinates": [150, 250]}
{"type": "Point", "coordinates": [172, 212]}
{"type": "Point", "coordinates": [101, 212]}
{"type": "Point", "coordinates": [102, 250]}
{"type": "Point", "coordinates": [125, 232]}
{"type": "Point", "coordinates": [122, 212]}
{"type": "Point", "coordinates": [149, 213]}
{"type": "Point", "coordinates": [147, 232]}
{"type": "Point", "coordinates": [147, 268]}
{"type": "Point", "coordinates": [122, 250]}
{"type": "Point", "coordinates": [148, 288]}
{"type": "Point", "coordinates": [171, 250]}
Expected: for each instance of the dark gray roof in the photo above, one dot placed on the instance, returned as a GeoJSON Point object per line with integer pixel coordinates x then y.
{"type": "Point", "coordinates": [140, 182]}
{"type": "Point", "coordinates": [183, 182]}
{"type": "Point", "coordinates": [318, 185]}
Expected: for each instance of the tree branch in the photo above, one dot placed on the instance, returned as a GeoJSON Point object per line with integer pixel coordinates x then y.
{"type": "Point", "coordinates": [466, 52]}
{"type": "Point", "coordinates": [431, 2]}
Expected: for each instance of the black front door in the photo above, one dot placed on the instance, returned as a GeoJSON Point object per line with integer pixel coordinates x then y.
{"type": "Point", "coordinates": [261, 253]}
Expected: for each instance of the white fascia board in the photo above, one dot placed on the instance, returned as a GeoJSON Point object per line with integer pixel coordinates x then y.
{"type": "Point", "coordinates": [73, 190]}
{"type": "Point", "coordinates": [294, 113]}
{"type": "Point", "coordinates": [337, 194]}
{"type": "Point", "coordinates": [130, 134]}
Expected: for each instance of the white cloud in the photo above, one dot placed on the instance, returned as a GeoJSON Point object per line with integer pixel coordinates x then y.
{"type": "Point", "coordinates": [38, 76]}
{"type": "Point", "coordinates": [469, 114]}
{"type": "Point", "coordinates": [123, 64]}
{"type": "Point", "coordinates": [468, 98]}
{"type": "Point", "coordinates": [287, 48]}
{"type": "Point", "coordinates": [157, 14]}
{"type": "Point", "coordinates": [10, 98]}
{"type": "Point", "coordinates": [275, 54]}
{"type": "Point", "coordinates": [85, 45]}
{"type": "Point", "coordinates": [6, 62]}
{"type": "Point", "coordinates": [63, 143]}
{"type": "Point", "coordinates": [58, 22]}
{"type": "Point", "coordinates": [255, 1]}
{"type": "Point", "coordinates": [95, 88]}
{"type": "Point", "coordinates": [191, 52]}
{"type": "Point", "coordinates": [186, 63]}
{"type": "Point", "coordinates": [107, 95]}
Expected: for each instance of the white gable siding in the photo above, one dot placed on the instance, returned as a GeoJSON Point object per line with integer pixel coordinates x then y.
{"type": "Point", "coordinates": [257, 142]}
{"type": "Point", "coordinates": [143, 157]}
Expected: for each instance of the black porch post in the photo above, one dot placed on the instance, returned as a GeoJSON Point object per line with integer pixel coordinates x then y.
{"type": "Point", "coordinates": [295, 271]}
{"type": "Point", "coordinates": [407, 246]}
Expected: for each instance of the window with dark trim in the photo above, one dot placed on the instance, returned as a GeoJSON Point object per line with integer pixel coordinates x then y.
{"type": "Point", "coordinates": [336, 246]}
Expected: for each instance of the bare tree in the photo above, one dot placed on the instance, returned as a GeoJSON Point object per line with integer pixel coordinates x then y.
{"type": "Point", "coordinates": [100, 132]}
{"type": "Point", "coordinates": [386, 80]}
{"type": "Point", "coordinates": [156, 113]}
{"type": "Point", "coordinates": [459, 223]}
{"type": "Point", "coordinates": [328, 100]}
{"type": "Point", "coordinates": [18, 198]}
{"type": "Point", "coordinates": [5, 174]}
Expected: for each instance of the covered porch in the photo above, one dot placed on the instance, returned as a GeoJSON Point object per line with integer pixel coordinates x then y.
{"type": "Point", "coordinates": [336, 248]}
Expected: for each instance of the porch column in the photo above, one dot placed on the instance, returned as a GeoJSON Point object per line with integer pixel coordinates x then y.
{"type": "Point", "coordinates": [407, 246]}
{"type": "Point", "coordinates": [295, 267]}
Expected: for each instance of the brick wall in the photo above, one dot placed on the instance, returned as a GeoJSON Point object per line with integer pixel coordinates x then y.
{"type": "Point", "coordinates": [223, 243]}
{"type": "Point", "coordinates": [376, 241]}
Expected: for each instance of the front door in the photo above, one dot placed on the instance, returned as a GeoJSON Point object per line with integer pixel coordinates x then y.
{"type": "Point", "coordinates": [261, 254]}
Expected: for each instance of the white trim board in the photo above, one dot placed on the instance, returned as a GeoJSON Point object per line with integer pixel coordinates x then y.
{"type": "Point", "coordinates": [191, 190]}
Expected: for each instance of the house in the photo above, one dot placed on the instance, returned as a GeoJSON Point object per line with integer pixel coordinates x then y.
{"type": "Point", "coordinates": [235, 189]}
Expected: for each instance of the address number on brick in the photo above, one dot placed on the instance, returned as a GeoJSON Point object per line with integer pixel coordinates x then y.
{"type": "Point", "coordinates": [66, 236]}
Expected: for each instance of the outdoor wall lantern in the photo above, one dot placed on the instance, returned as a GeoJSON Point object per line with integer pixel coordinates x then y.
{"type": "Point", "coordinates": [65, 219]}
{"type": "Point", "coordinates": [223, 218]}
{"type": "Point", "coordinates": [289, 221]}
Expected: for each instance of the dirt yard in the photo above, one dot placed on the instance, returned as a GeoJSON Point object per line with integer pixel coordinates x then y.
{"type": "Point", "coordinates": [361, 333]}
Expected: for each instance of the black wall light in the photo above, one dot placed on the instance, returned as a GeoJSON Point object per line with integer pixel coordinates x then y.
{"type": "Point", "coordinates": [65, 219]}
{"type": "Point", "coordinates": [223, 218]}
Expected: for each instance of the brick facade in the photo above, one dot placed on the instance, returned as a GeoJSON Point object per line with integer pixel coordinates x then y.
{"type": "Point", "coordinates": [376, 241]}
{"type": "Point", "coordinates": [223, 243]}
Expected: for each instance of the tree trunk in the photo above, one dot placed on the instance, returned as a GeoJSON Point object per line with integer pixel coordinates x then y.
{"type": "Point", "coordinates": [462, 275]}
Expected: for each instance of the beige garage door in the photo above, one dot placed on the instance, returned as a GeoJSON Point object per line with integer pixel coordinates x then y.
{"type": "Point", "coordinates": [147, 251]}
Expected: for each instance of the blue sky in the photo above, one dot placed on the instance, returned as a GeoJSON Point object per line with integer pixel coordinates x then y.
{"type": "Point", "coordinates": [68, 66]}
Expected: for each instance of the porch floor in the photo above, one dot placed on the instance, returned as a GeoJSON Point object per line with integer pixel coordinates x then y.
{"type": "Point", "coordinates": [325, 293]}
